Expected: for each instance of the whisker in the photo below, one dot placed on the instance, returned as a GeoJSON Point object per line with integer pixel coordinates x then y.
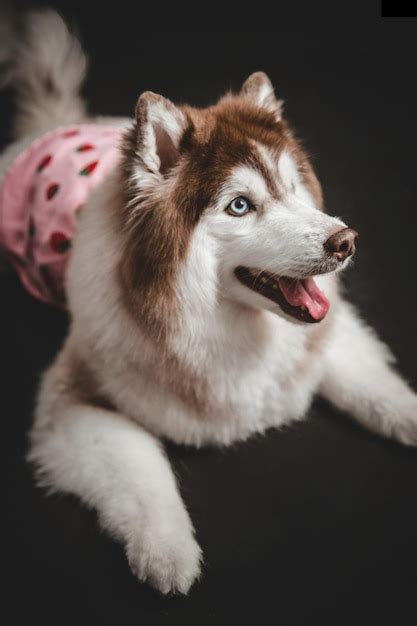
{"type": "Point", "coordinates": [257, 276]}
{"type": "Point", "coordinates": [272, 276]}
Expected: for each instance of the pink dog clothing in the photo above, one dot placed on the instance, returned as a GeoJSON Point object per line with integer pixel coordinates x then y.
{"type": "Point", "coordinates": [40, 196]}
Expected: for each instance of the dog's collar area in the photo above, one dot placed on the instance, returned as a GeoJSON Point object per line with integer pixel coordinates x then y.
{"type": "Point", "coordinates": [300, 298]}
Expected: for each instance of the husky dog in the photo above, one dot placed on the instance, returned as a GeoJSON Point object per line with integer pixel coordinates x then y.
{"type": "Point", "coordinates": [203, 292]}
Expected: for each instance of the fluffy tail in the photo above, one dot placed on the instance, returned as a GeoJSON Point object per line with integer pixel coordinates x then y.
{"type": "Point", "coordinates": [46, 65]}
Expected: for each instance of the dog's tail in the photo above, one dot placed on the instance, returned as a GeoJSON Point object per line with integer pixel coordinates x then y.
{"type": "Point", "coordinates": [46, 64]}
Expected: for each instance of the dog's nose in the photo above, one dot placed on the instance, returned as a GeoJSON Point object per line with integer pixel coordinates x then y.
{"type": "Point", "coordinates": [341, 244]}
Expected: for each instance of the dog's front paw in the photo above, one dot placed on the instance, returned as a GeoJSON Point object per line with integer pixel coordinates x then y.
{"type": "Point", "coordinates": [169, 559]}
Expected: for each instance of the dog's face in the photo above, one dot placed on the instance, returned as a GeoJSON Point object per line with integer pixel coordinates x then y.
{"type": "Point", "coordinates": [233, 178]}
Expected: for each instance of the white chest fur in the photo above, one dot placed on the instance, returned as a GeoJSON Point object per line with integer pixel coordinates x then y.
{"type": "Point", "coordinates": [244, 369]}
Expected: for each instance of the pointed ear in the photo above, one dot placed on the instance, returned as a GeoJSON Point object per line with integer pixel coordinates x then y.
{"type": "Point", "coordinates": [160, 126]}
{"type": "Point", "coordinates": [258, 90]}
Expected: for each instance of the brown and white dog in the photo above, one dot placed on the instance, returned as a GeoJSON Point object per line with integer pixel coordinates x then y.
{"type": "Point", "coordinates": [196, 289]}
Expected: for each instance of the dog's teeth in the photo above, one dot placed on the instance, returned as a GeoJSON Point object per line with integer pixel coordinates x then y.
{"type": "Point", "coordinates": [303, 308]}
{"type": "Point", "coordinates": [263, 279]}
{"type": "Point", "coordinates": [274, 286]}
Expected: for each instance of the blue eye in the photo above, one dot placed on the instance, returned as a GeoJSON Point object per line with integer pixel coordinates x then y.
{"type": "Point", "coordinates": [239, 206]}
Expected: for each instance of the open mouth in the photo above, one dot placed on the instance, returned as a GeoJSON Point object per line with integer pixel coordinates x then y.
{"type": "Point", "coordinates": [299, 297]}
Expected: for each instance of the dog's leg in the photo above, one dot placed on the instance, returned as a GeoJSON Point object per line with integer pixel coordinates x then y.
{"type": "Point", "coordinates": [358, 378]}
{"type": "Point", "coordinates": [119, 469]}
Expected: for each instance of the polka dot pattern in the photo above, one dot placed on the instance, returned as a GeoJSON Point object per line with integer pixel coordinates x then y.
{"type": "Point", "coordinates": [85, 147]}
{"type": "Point", "coordinates": [45, 190]}
{"type": "Point", "coordinates": [89, 169]}
{"type": "Point", "coordinates": [51, 191]}
{"type": "Point", "coordinates": [59, 242]}
{"type": "Point", "coordinates": [44, 163]}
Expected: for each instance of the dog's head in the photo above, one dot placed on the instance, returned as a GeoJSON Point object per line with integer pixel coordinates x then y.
{"type": "Point", "coordinates": [224, 199]}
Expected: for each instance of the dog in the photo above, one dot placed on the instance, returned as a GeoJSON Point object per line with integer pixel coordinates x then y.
{"type": "Point", "coordinates": [202, 284]}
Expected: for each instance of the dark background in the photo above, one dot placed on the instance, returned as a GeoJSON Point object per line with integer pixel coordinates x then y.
{"type": "Point", "coordinates": [313, 524]}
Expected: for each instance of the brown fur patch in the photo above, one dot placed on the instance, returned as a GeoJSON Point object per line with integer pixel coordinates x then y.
{"type": "Point", "coordinates": [83, 384]}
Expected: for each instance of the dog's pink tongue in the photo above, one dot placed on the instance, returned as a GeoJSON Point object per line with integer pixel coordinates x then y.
{"type": "Point", "coordinates": [305, 293]}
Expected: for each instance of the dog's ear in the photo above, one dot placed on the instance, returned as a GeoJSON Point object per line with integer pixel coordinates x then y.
{"type": "Point", "coordinates": [258, 90]}
{"type": "Point", "coordinates": [160, 126]}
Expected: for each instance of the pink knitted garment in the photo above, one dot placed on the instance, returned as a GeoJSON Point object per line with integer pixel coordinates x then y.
{"type": "Point", "coordinates": [40, 196]}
